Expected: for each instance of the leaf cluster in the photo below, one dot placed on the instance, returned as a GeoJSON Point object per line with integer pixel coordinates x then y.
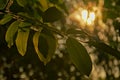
{"type": "Point", "coordinates": [26, 17]}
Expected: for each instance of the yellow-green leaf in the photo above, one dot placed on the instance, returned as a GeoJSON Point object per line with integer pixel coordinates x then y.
{"type": "Point", "coordinates": [24, 24]}
{"type": "Point", "coordinates": [6, 19]}
{"type": "Point", "coordinates": [79, 56]}
{"type": "Point", "coordinates": [51, 41]}
{"type": "Point", "coordinates": [35, 43]}
{"type": "Point", "coordinates": [12, 29]}
{"type": "Point", "coordinates": [44, 4]}
{"type": "Point", "coordinates": [21, 41]}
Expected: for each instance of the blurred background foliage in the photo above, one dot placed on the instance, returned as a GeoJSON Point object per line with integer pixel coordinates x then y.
{"type": "Point", "coordinates": [106, 29]}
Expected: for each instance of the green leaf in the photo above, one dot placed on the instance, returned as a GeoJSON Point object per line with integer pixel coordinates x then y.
{"type": "Point", "coordinates": [51, 42]}
{"type": "Point", "coordinates": [35, 43]}
{"type": "Point", "coordinates": [3, 4]}
{"type": "Point", "coordinates": [6, 19]}
{"type": "Point", "coordinates": [21, 41]}
{"type": "Point", "coordinates": [52, 14]}
{"type": "Point", "coordinates": [52, 47]}
{"type": "Point", "coordinates": [44, 4]}
{"type": "Point", "coordinates": [24, 24]}
{"type": "Point", "coordinates": [106, 48]}
{"type": "Point", "coordinates": [79, 56]}
{"type": "Point", "coordinates": [45, 45]}
{"type": "Point", "coordinates": [22, 3]}
{"type": "Point", "coordinates": [12, 29]}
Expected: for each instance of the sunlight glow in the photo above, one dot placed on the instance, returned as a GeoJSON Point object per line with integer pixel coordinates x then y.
{"type": "Point", "coordinates": [92, 16]}
{"type": "Point", "coordinates": [84, 15]}
{"type": "Point", "coordinates": [89, 21]}
{"type": "Point", "coordinates": [88, 17]}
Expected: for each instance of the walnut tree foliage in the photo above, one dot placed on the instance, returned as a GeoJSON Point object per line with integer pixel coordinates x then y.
{"type": "Point", "coordinates": [24, 18]}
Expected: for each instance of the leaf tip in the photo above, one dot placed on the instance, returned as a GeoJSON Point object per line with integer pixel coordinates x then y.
{"type": "Point", "coordinates": [22, 53]}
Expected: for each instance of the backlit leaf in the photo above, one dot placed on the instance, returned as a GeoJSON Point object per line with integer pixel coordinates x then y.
{"type": "Point", "coordinates": [44, 4]}
{"type": "Point", "coordinates": [35, 43]}
{"type": "Point", "coordinates": [6, 19]}
{"type": "Point", "coordinates": [21, 41]}
{"type": "Point", "coordinates": [51, 42]}
{"type": "Point", "coordinates": [79, 56]}
{"type": "Point", "coordinates": [45, 45]}
{"type": "Point", "coordinates": [12, 29]}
